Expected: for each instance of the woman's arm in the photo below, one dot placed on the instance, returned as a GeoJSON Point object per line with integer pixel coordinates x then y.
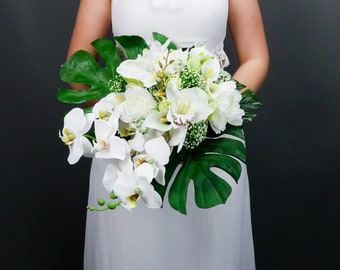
{"type": "Point", "coordinates": [93, 21]}
{"type": "Point", "coordinates": [246, 27]}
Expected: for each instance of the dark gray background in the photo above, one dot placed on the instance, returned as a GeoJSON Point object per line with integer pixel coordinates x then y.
{"type": "Point", "coordinates": [293, 145]}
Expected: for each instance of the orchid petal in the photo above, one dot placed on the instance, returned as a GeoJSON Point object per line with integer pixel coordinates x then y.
{"type": "Point", "coordinates": [103, 129]}
{"type": "Point", "coordinates": [146, 171]}
{"type": "Point", "coordinates": [76, 151]}
{"type": "Point", "coordinates": [160, 177]}
{"type": "Point", "coordinates": [137, 142]}
{"type": "Point", "coordinates": [75, 120]}
{"type": "Point", "coordinates": [157, 121]}
{"type": "Point", "coordinates": [151, 198]}
{"type": "Point", "coordinates": [87, 147]}
{"type": "Point", "coordinates": [110, 176]}
{"type": "Point", "coordinates": [177, 137]}
{"type": "Point", "coordinates": [211, 69]}
{"type": "Point", "coordinates": [125, 184]}
{"type": "Point", "coordinates": [158, 149]}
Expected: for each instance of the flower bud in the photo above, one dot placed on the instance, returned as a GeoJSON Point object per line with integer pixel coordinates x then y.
{"type": "Point", "coordinates": [112, 205]}
{"type": "Point", "coordinates": [101, 202]}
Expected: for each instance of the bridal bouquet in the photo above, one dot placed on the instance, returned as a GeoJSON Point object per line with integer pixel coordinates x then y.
{"type": "Point", "coordinates": [160, 108]}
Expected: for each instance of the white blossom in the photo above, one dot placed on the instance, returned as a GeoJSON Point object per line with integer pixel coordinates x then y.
{"type": "Point", "coordinates": [226, 105]}
{"type": "Point", "coordinates": [76, 124]}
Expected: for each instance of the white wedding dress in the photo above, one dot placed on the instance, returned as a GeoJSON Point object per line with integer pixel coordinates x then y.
{"type": "Point", "coordinates": [219, 238]}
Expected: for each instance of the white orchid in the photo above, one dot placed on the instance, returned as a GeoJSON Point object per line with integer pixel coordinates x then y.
{"type": "Point", "coordinates": [176, 61]}
{"type": "Point", "coordinates": [159, 151]}
{"type": "Point", "coordinates": [155, 152]}
{"type": "Point", "coordinates": [104, 108]}
{"type": "Point", "coordinates": [198, 56]}
{"type": "Point", "coordinates": [226, 104]}
{"type": "Point", "coordinates": [137, 142]}
{"type": "Point", "coordinates": [211, 69]}
{"type": "Point", "coordinates": [129, 187]}
{"type": "Point", "coordinates": [108, 145]}
{"type": "Point", "coordinates": [145, 68]}
{"type": "Point", "coordinates": [112, 172]}
{"type": "Point", "coordinates": [76, 124]}
{"type": "Point", "coordinates": [158, 120]}
{"type": "Point", "coordinates": [187, 105]}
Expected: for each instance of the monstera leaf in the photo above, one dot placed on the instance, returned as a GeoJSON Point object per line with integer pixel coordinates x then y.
{"type": "Point", "coordinates": [83, 68]}
{"type": "Point", "coordinates": [223, 152]}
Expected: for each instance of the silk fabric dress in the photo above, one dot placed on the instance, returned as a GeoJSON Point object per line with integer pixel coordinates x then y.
{"type": "Point", "coordinates": [219, 238]}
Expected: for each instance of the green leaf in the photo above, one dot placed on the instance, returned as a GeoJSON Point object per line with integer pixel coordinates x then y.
{"type": "Point", "coordinates": [250, 101]}
{"type": "Point", "coordinates": [248, 117]}
{"type": "Point", "coordinates": [80, 96]}
{"type": "Point", "coordinates": [83, 68]}
{"type": "Point", "coordinates": [224, 153]}
{"type": "Point", "coordinates": [132, 45]}
{"type": "Point", "coordinates": [239, 86]}
{"type": "Point", "coordinates": [162, 39]}
{"type": "Point", "coordinates": [108, 51]}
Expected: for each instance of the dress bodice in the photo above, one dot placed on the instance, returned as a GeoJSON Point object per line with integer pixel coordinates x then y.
{"type": "Point", "coordinates": [185, 22]}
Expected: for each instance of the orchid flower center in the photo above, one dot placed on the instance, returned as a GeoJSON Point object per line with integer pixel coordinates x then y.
{"type": "Point", "coordinates": [103, 144]}
{"type": "Point", "coordinates": [104, 114]}
{"type": "Point", "coordinates": [183, 108]}
{"type": "Point", "coordinates": [68, 136]}
{"type": "Point", "coordinates": [182, 120]}
{"type": "Point", "coordinates": [132, 199]}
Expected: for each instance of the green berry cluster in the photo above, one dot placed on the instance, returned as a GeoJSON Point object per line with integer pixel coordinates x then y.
{"type": "Point", "coordinates": [192, 78]}
{"type": "Point", "coordinates": [106, 205]}
{"type": "Point", "coordinates": [117, 84]}
{"type": "Point", "coordinates": [196, 133]}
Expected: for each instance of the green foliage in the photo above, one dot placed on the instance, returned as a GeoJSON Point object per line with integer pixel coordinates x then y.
{"type": "Point", "coordinates": [83, 68]}
{"type": "Point", "coordinates": [249, 102]}
{"type": "Point", "coordinates": [225, 153]}
{"type": "Point", "coordinates": [162, 39]}
{"type": "Point", "coordinates": [132, 45]}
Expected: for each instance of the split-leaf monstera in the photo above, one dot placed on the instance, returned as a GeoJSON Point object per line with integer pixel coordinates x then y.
{"type": "Point", "coordinates": [225, 151]}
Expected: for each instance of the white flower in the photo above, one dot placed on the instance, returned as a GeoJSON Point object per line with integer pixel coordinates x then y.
{"type": "Point", "coordinates": [107, 144]}
{"type": "Point", "coordinates": [159, 151]}
{"type": "Point", "coordinates": [176, 61]}
{"type": "Point", "coordinates": [155, 152]}
{"type": "Point", "coordinates": [104, 108]}
{"type": "Point", "coordinates": [157, 120]}
{"type": "Point", "coordinates": [137, 142]}
{"type": "Point", "coordinates": [130, 187]}
{"type": "Point", "coordinates": [146, 67]}
{"type": "Point", "coordinates": [211, 69]}
{"type": "Point", "coordinates": [139, 103]}
{"type": "Point", "coordinates": [177, 137]}
{"type": "Point", "coordinates": [198, 56]}
{"type": "Point", "coordinates": [226, 104]}
{"type": "Point", "coordinates": [187, 105]}
{"type": "Point", "coordinates": [76, 124]}
{"type": "Point", "coordinates": [113, 169]}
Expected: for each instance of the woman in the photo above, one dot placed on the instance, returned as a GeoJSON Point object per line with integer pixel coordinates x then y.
{"type": "Point", "coordinates": [219, 238]}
